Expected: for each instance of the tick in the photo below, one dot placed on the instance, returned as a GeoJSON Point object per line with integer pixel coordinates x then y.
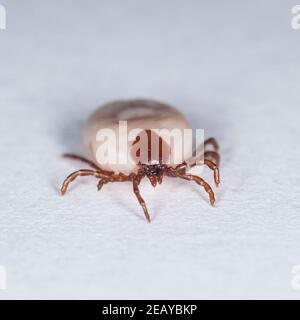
{"type": "Point", "coordinates": [143, 116]}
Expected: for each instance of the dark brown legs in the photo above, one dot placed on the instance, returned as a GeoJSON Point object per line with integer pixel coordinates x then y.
{"type": "Point", "coordinates": [215, 169]}
{"type": "Point", "coordinates": [202, 183]}
{"type": "Point", "coordinates": [211, 160]}
{"type": "Point", "coordinates": [101, 183]}
{"type": "Point", "coordinates": [213, 156]}
{"type": "Point", "coordinates": [105, 177]}
{"type": "Point", "coordinates": [79, 173]}
{"type": "Point", "coordinates": [211, 165]}
{"type": "Point", "coordinates": [98, 174]}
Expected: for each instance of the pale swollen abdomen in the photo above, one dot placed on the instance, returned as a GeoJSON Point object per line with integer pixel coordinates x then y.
{"type": "Point", "coordinates": [145, 115]}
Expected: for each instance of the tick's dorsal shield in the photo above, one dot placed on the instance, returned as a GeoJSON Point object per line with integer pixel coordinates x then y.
{"type": "Point", "coordinates": [149, 148]}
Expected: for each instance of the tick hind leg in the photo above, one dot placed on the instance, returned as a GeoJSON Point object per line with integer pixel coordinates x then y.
{"type": "Point", "coordinates": [214, 167]}
{"type": "Point", "coordinates": [211, 159]}
{"type": "Point", "coordinates": [213, 142]}
{"type": "Point", "coordinates": [210, 164]}
{"type": "Point", "coordinates": [212, 155]}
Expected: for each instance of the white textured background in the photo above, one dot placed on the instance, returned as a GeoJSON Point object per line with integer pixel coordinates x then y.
{"type": "Point", "coordinates": [232, 67]}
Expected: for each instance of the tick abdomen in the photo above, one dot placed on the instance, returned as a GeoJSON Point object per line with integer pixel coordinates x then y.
{"type": "Point", "coordinates": [145, 115]}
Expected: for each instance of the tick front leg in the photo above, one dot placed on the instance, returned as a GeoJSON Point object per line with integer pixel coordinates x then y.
{"type": "Point", "coordinates": [202, 183]}
{"type": "Point", "coordinates": [212, 154]}
{"type": "Point", "coordinates": [136, 191]}
{"type": "Point", "coordinates": [79, 173]}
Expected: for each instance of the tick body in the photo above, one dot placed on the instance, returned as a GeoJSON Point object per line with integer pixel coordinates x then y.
{"type": "Point", "coordinates": [142, 119]}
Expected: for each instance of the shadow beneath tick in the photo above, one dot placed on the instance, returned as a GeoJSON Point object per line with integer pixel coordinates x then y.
{"type": "Point", "coordinates": [158, 209]}
{"type": "Point", "coordinates": [71, 135]}
{"type": "Point", "coordinates": [68, 134]}
{"type": "Point", "coordinates": [136, 210]}
{"type": "Point", "coordinates": [70, 128]}
{"type": "Point", "coordinates": [126, 199]}
{"type": "Point", "coordinates": [119, 193]}
{"type": "Point", "coordinates": [199, 191]}
{"type": "Point", "coordinates": [55, 186]}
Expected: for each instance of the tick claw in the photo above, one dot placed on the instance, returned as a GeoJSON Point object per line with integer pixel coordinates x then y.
{"type": "Point", "coordinates": [100, 184]}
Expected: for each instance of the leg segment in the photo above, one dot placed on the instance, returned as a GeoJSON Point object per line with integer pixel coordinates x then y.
{"type": "Point", "coordinates": [80, 173]}
{"type": "Point", "coordinates": [113, 178]}
{"type": "Point", "coordinates": [213, 142]}
{"type": "Point", "coordinates": [202, 183]}
{"type": "Point", "coordinates": [101, 183]}
{"type": "Point", "coordinates": [213, 156]}
{"type": "Point", "coordinates": [181, 167]}
{"type": "Point", "coordinates": [215, 169]}
{"type": "Point", "coordinates": [210, 157]}
{"type": "Point", "coordinates": [136, 190]}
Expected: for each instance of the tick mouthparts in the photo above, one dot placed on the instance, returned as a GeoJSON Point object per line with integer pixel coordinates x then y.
{"type": "Point", "coordinates": [153, 180]}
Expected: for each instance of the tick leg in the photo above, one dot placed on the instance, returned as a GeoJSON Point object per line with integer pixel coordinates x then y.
{"type": "Point", "coordinates": [79, 173]}
{"type": "Point", "coordinates": [202, 183]}
{"type": "Point", "coordinates": [101, 183]}
{"type": "Point", "coordinates": [213, 156]}
{"type": "Point", "coordinates": [136, 191]}
{"type": "Point", "coordinates": [181, 167]}
{"type": "Point", "coordinates": [86, 161]}
{"type": "Point", "coordinates": [215, 169]}
{"type": "Point", "coordinates": [213, 142]}
{"type": "Point", "coordinates": [112, 178]}
{"type": "Point", "coordinates": [201, 153]}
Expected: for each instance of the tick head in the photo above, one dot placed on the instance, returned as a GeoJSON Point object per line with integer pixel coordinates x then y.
{"type": "Point", "coordinates": [154, 172]}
